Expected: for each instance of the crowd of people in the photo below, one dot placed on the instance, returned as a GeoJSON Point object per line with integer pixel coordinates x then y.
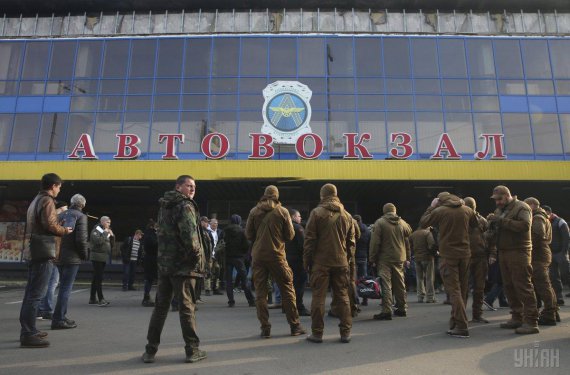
{"type": "Point", "coordinates": [520, 251]}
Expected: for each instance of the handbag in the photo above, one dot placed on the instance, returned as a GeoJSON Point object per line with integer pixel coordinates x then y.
{"type": "Point", "coordinates": [42, 247]}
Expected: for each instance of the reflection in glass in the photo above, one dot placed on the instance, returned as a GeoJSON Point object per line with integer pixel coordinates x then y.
{"type": "Point", "coordinates": [218, 102]}
{"type": "Point", "coordinates": [88, 59]}
{"type": "Point", "coordinates": [341, 102]}
{"type": "Point", "coordinates": [430, 128]}
{"type": "Point", "coordinates": [370, 85]}
{"type": "Point", "coordinates": [425, 57]}
{"type": "Point", "coordinates": [370, 102]}
{"type": "Point", "coordinates": [138, 123]}
{"type": "Point", "coordinates": [485, 103]}
{"type": "Point", "coordinates": [535, 58]}
{"type": "Point", "coordinates": [457, 103]}
{"type": "Point", "coordinates": [396, 57]}
{"type": "Point", "coordinates": [62, 60]}
{"type": "Point", "coordinates": [32, 87]}
{"type": "Point", "coordinates": [25, 134]}
{"type": "Point", "coordinates": [559, 52]}
{"type": "Point", "coordinates": [9, 88]}
{"type": "Point", "coordinates": [456, 86]}
{"type": "Point", "coordinates": [508, 59]}
{"type": "Point", "coordinates": [112, 86]}
{"type": "Point", "coordinates": [166, 102]}
{"type": "Point", "coordinates": [282, 57]}
{"type": "Point", "coordinates": [402, 122]}
{"type": "Point", "coordinates": [427, 86]}
{"type": "Point", "coordinates": [35, 62]}
{"type": "Point", "coordinates": [10, 60]}
{"type": "Point", "coordinates": [512, 87]}
{"type": "Point", "coordinates": [195, 102]}
{"type": "Point", "coordinates": [197, 86]}
{"type": "Point", "coordinates": [339, 56]}
{"type": "Point", "coordinates": [546, 134]}
{"type": "Point", "coordinates": [481, 61]}
{"type": "Point", "coordinates": [368, 56]}
{"type": "Point", "coordinates": [193, 126]}
{"type": "Point", "coordinates": [398, 86]}
{"type": "Point", "coordinates": [110, 103]}
{"type": "Point", "coordinates": [562, 87]}
{"type": "Point", "coordinates": [339, 123]}
{"type": "Point", "coordinates": [116, 58]}
{"type": "Point", "coordinates": [452, 58]}
{"type": "Point", "coordinates": [517, 134]}
{"type": "Point", "coordinates": [373, 123]}
{"type": "Point", "coordinates": [167, 86]}
{"type": "Point", "coordinates": [197, 61]}
{"type": "Point", "coordinates": [253, 57]}
{"type": "Point", "coordinates": [162, 123]}
{"type": "Point", "coordinates": [486, 123]}
{"type": "Point", "coordinates": [170, 53]}
{"type": "Point", "coordinates": [85, 103]}
{"type": "Point", "coordinates": [138, 103]}
{"type": "Point", "coordinates": [542, 87]}
{"type": "Point", "coordinates": [143, 55]}
{"type": "Point", "coordinates": [459, 126]}
{"type": "Point", "coordinates": [312, 56]}
{"type": "Point", "coordinates": [79, 123]}
{"type": "Point", "coordinates": [565, 127]}
{"type": "Point", "coordinates": [5, 130]}
{"type": "Point", "coordinates": [249, 122]}
{"type": "Point", "coordinates": [108, 125]}
{"type": "Point", "coordinates": [428, 103]}
{"type": "Point", "coordinates": [399, 102]}
{"type": "Point", "coordinates": [341, 85]}
{"type": "Point", "coordinates": [483, 87]}
{"type": "Point", "coordinates": [226, 57]}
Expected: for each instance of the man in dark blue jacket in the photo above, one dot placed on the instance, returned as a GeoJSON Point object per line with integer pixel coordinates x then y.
{"type": "Point", "coordinates": [362, 245]}
{"type": "Point", "coordinates": [294, 254]}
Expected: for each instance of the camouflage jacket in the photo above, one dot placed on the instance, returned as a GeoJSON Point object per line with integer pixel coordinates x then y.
{"type": "Point", "coordinates": [180, 240]}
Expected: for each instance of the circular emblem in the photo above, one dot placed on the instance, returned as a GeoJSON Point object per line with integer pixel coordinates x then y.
{"type": "Point", "coordinates": [286, 112]}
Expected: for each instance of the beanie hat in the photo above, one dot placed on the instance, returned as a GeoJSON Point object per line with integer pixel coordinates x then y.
{"type": "Point", "coordinates": [470, 202]}
{"type": "Point", "coordinates": [328, 190]}
{"type": "Point", "coordinates": [271, 192]}
{"type": "Point", "coordinates": [235, 219]}
{"type": "Point", "coordinates": [388, 207]}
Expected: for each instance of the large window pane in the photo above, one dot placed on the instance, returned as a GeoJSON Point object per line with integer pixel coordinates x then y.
{"type": "Point", "coordinates": [425, 57]}
{"type": "Point", "coordinates": [249, 123]}
{"type": "Point", "coordinates": [112, 86]}
{"type": "Point", "coordinates": [371, 102]}
{"type": "Point", "coordinates": [483, 87]}
{"type": "Point", "coordinates": [368, 56]}
{"type": "Point", "coordinates": [143, 56]}
{"type": "Point", "coordinates": [79, 123]}
{"type": "Point", "coordinates": [339, 57]}
{"type": "Point", "coordinates": [312, 56]}
{"type": "Point", "coordinates": [399, 102]}
{"type": "Point", "coordinates": [546, 134]}
{"type": "Point", "coordinates": [226, 123]}
{"type": "Point", "coordinates": [452, 58]}
{"type": "Point", "coordinates": [52, 132]}
{"type": "Point", "coordinates": [10, 59]}
{"type": "Point", "coordinates": [5, 131]}
{"type": "Point", "coordinates": [138, 123]}
{"type": "Point", "coordinates": [375, 124]}
{"type": "Point", "coordinates": [517, 133]}
{"type": "Point", "coordinates": [107, 127]}
{"type": "Point", "coordinates": [226, 57]}
{"type": "Point", "coordinates": [427, 86]}
{"type": "Point", "coordinates": [535, 57]}
{"type": "Point", "coordinates": [166, 102]}
{"type": "Point", "coordinates": [195, 102]}
{"type": "Point", "coordinates": [110, 103]}
{"type": "Point", "coordinates": [62, 60]}
{"type": "Point", "coordinates": [256, 85]}
{"type": "Point", "coordinates": [428, 103]}
{"type": "Point", "coordinates": [396, 57]}
{"type": "Point", "coordinates": [370, 85]}
{"type": "Point", "coordinates": [485, 103]}
{"type": "Point", "coordinates": [283, 57]}
{"type": "Point", "coordinates": [559, 52]}
{"type": "Point", "coordinates": [402, 122]}
{"type": "Point", "coordinates": [198, 53]}
{"type": "Point", "coordinates": [170, 53]}
{"type": "Point", "coordinates": [193, 126]}
{"type": "Point", "coordinates": [339, 123]}
{"type": "Point", "coordinates": [88, 59]}
{"type": "Point", "coordinates": [508, 59]}
{"type": "Point", "coordinates": [138, 103]}
{"type": "Point", "coordinates": [167, 86]}
{"type": "Point", "coordinates": [486, 123]}
{"type": "Point", "coordinates": [116, 59]}
{"type": "Point", "coordinates": [459, 126]}
{"type": "Point", "coordinates": [162, 123]}
{"type": "Point", "coordinates": [35, 62]}
{"type": "Point", "coordinates": [481, 61]}
{"type": "Point", "coordinates": [25, 133]}
{"type": "Point", "coordinates": [254, 57]}
{"type": "Point", "coordinates": [565, 126]}
{"type": "Point", "coordinates": [430, 128]}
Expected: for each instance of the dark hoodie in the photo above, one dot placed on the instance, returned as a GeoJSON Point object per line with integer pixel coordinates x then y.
{"type": "Point", "coordinates": [234, 237]}
{"type": "Point", "coordinates": [389, 242]}
{"type": "Point", "coordinates": [329, 235]}
{"type": "Point", "coordinates": [453, 220]}
{"type": "Point", "coordinates": [541, 233]}
{"type": "Point", "coordinates": [180, 242]}
{"type": "Point", "coordinates": [269, 234]}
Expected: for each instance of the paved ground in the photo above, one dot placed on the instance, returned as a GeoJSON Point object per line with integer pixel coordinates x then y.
{"type": "Point", "coordinates": [111, 340]}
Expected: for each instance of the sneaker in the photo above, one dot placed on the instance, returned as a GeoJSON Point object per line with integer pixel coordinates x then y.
{"type": "Point", "coordinates": [527, 329]}
{"type": "Point", "coordinates": [62, 325]}
{"type": "Point", "coordinates": [315, 339]}
{"type": "Point", "coordinates": [460, 333]}
{"type": "Point", "coordinates": [231, 303]}
{"type": "Point", "coordinates": [400, 313]}
{"type": "Point", "coordinates": [265, 333]}
{"type": "Point", "coordinates": [479, 319]}
{"type": "Point", "coordinates": [489, 306]}
{"type": "Point", "coordinates": [511, 324]}
{"type": "Point", "coordinates": [93, 302]}
{"type": "Point", "coordinates": [147, 357]}
{"type": "Point", "coordinates": [103, 303]}
{"type": "Point", "coordinates": [34, 342]}
{"type": "Point", "coordinates": [69, 321]}
{"type": "Point", "coordinates": [195, 356]}
{"type": "Point", "coordinates": [345, 339]}
{"type": "Point", "coordinates": [147, 303]}
{"type": "Point", "coordinates": [542, 321]}
{"type": "Point", "coordinates": [383, 316]}
{"type": "Point", "coordinates": [297, 330]}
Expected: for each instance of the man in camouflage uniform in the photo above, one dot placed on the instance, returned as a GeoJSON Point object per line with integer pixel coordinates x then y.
{"type": "Point", "coordinates": [181, 261]}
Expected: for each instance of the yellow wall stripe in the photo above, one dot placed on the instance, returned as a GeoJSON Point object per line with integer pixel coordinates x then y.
{"type": "Point", "coordinates": [436, 170]}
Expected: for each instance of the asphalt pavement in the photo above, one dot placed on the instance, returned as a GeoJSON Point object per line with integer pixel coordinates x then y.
{"type": "Point", "coordinates": [111, 340]}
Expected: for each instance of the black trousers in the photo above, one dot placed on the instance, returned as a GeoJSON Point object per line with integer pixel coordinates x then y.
{"type": "Point", "coordinates": [97, 281]}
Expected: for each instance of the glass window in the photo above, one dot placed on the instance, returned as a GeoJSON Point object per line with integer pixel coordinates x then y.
{"type": "Point", "coordinates": [371, 102]}
{"type": "Point", "coordinates": [452, 58]}
{"type": "Point", "coordinates": [535, 58]}
{"type": "Point", "coordinates": [25, 134]}
{"type": "Point", "coordinates": [140, 86]}
{"type": "Point", "coordinates": [138, 123]}
{"type": "Point", "coordinates": [508, 59]}
{"type": "Point", "coordinates": [138, 103]}
{"type": "Point", "coordinates": [340, 123]}
{"type": "Point", "coordinates": [37, 56]}
{"type": "Point", "coordinates": [79, 123]}
{"type": "Point", "coordinates": [485, 103]}
{"type": "Point", "coordinates": [10, 59]}
{"type": "Point", "coordinates": [85, 103]}
{"type": "Point", "coordinates": [170, 53]}
{"type": "Point", "coordinates": [32, 87]}
{"type": "Point", "coordinates": [425, 57]}
{"type": "Point", "coordinates": [62, 60]}
{"type": "Point", "coordinates": [565, 127]}
{"type": "Point", "coordinates": [256, 85]}
{"type": "Point", "coordinates": [370, 85]}
{"type": "Point", "coordinates": [166, 102]}
{"type": "Point", "coordinates": [223, 102]}
{"type": "Point", "coordinates": [162, 123]}
{"type": "Point", "coordinates": [167, 86]}
{"type": "Point", "coordinates": [195, 102]}
{"type": "Point", "coordinates": [455, 86]}
{"type": "Point", "coordinates": [251, 102]}
{"type": "Point", "coordinates": [517, 133]}
{"type": "Point", "coordinates": [562, 87]}
{"type": "Point", "coordinates": [486, 123]}
{"type": "Point", "coordinates": [341, 102]}
{"type": "Point", "coordinates": [224, 85]}
{"type": "Point", "coordinates": [339, 57]}
{"type": "Point", "coordinates": [52, 132]}
{"type": "Point", "coordinates": [483, 87]}
{"type": "Point", "coordinates": [398, 86]}
{"type": "Point", "coordinates": [399, 102]}
{"type": "Point", "coordinates": [107, 127]}
{"type": "Point", "coordinates": [193, 126]}
{"type": "Point", "coordinates": [428, 103]}
{"type": "Point", "coordinates": [226, 57]}
{"type": "Point", "coordinates": [226, 123]}
{"type": "Point", "coordinates": [546, 134]}
{"type": "Point", "coordinates": [283, 57]}
{"type": "Point", "coordinates": [481, 61]}
{"type": "Point", "coordinates": [5, 130]}
{"type": "Point", "coordinates": [559, 52]}
{"type": "Point", "coordinates": [396, 57]}
{"type": "Point", "coordinates": [457, 103]}
{"type": "Point", "coordinates": [143, 56]}
{"type": "Point", "coordinates": [249, 123]}
{"type": "Point", "coordinates": [253, 57]}
{"type": "Point", "coordinates": [375, 124]}
{"type": "Point", "coordinates": [116, 58]}
{"type": "Point", "coordinates": [402, 122]}
{"type": "Point", "coordinates": [9, 88]}
{"type": "Point", "coordinates": [112, 86]}
{"type": "Point", "coordinates": [311, 56]}
{"type": "Point", "coordinates": [58, 88]}
{"type": "Point", "coordinates": [197, 86]}
{"type": "Point", "coordinates": [85, 87]}
{"type": "Point", "coordinates": [88, 59]}
{"type": "Point", "coordinates": [368, 53]}
{"type": "Point", "coordinates": [542, 87]}
{"type": "Point", "coordinates": [198, 61]}
{"type": "Point", "coordinates": [111, 103]}
{"type": "Point", "coordinates": [512, 87]}
{"type": "Point", "coordinates": [341, 85]}
{"type": "Point", "coordinates": [459, 126]}
{"type": "Point", "coordinates": [427, 86]}
{"type": "Point", "coordinates": [430, 128]}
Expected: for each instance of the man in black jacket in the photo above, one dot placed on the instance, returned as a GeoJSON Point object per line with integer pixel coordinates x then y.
{"type": "Point", "coordinates": [73, 251]}
{"type": "Point", "coordinates": [294, 254]}
{"type": "Point", "coordinates": [235, 251]}
{"type": "Point", "coordinates": [361, 255]}
{"type": "Point", "coordinates": [560, 245]}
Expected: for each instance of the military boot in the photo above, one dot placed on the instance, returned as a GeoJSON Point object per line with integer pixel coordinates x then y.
{"type": "Point", "coordinates": [527, 329]}
{"type": "Point", "coordinates": [511, 324]}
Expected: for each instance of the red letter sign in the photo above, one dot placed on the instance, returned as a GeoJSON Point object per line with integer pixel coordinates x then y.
{"type": "Point", "coordinates": [445, 144]}
{"type": "Point", "coordinates": [223, 147]}
{"type": "Point", "coordinates": [128, 146]}
{"type": "Point", "coordinates": [352, 145]}
{"type": "Point", "coordinates": [83, 145]}
{"type": "Point", "coordinates": [407, 150]}
{"type": "Point", "coordinates": [497, 141]}
{"type": "Point", "coordinates": [259, 141]}
{"type": "Point", "coordinates": [170, 144]}
{"type": "Point", "coordinates": [300, 146]}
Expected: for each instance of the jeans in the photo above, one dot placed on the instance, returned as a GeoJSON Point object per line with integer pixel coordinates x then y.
{"type": "Point", "coordinates": [559, 272]}
{"type": "Point", "coordinates": [147, 286]}
{"type": "Point", "coordinates": [238, 264]}
{"type": "Point", "coordinates": [97, 281]}
{"type": "Point", "coordinates": [38, 277]}
{"type": "Point", "coordinates": [276, 293]}
{"type": "Point", "coordinates": [361, 267]}
{"type": "Point", "coordinates": [129, 271]}
{"type": "Point", "coordinates": [47, 305]}
{"type": "Point", "coordinates": [68, 273]}
{"type": "Point", "coordinates": [299, 281]}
